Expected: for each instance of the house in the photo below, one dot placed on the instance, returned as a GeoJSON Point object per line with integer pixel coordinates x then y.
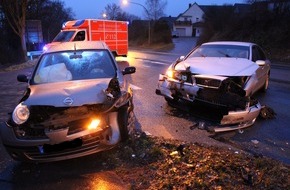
{"type": "Point", "coordinates": [189, 22]}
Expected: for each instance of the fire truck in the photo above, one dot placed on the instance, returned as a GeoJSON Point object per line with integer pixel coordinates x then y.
{"type": "Point", "coordinates": [113, 33]}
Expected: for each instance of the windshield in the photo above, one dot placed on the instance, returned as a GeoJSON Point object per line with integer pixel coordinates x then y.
{"type": "Point", "coordinates": [63, 36]}
{"type": "Point", "coordinates": [74, 65]}
{"type": "Point", "coordinates": [221, 51]}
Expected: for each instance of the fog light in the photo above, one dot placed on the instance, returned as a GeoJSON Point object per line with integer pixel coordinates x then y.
{"type": "Point", "coordinates": [94, 124]}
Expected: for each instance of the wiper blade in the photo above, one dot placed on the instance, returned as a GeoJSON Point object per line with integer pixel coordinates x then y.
{"type": "Point", "coordinates": [223, 53]}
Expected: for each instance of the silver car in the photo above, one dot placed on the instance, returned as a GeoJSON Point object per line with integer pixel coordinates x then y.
{"type": "Point", "coordinates": [220, 75]}
{"type": "Point", "coordinates": [77, 103]}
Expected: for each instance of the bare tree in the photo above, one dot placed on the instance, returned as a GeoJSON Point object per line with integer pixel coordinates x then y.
{"type": "Point", "coordinates": [15, 13]}
{"type": "Point", "coordinates": [155, 9]}
{"type": "Point", "coordinates": [112, 11]}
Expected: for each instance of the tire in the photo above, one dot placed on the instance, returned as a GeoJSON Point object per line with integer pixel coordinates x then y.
{"type": "Point", "coordinates": [123, 122]}
{"type": "Point", "coordinates": [266, 84]}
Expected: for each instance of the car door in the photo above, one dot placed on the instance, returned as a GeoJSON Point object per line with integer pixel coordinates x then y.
{"type": "Point", "coordinates": [259, 57]}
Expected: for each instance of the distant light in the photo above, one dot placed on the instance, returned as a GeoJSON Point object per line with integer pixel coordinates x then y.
{"type": "Point", "coordinates": [44, 48]}
{"type": "Point", "coordinates": [125, 2]}
{"type": "Point", "coordinates": [104, 15]}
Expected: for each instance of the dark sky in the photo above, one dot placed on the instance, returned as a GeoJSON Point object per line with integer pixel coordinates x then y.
{"type": "Point", "coordinates": [95, 8]}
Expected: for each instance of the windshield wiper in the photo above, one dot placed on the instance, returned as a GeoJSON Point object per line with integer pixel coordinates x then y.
{"type": "Point", "coordinates": [202, 55]}
{"type": "Point", "coordinates": [223, 53]}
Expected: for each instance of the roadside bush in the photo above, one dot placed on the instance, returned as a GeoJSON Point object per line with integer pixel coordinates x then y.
{"type": "Point", "coordinates": [268, 28]}
{"type": "Point", "coordinates": [138, 33]}
{"type": "Point", "coordinates": [161, 33]}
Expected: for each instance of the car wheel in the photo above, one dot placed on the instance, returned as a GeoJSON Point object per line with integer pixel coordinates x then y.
{"type": "Point", "coordinates": [266, 84]}
{"type": "Point", "coordinates": [126, 120]}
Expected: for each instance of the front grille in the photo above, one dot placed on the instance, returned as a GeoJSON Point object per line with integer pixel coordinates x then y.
{"type": "Point", "coordinates": [228, 100]}
{"type": "Point", "coordinates": [208, 82]}
{"type": "Point", "coordinates": [89, 143]}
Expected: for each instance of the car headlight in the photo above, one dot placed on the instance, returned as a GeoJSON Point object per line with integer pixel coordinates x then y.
{"type": "Point", "coordinates": [170, 73]}
{"type": "Point", "coordinates": [20, 114]}
{"type": "Point", "coordinates": [176, 75]}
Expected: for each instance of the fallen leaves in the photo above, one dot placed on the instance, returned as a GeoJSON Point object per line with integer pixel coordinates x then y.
{"type": "Point", "coordinates": [169, 164]}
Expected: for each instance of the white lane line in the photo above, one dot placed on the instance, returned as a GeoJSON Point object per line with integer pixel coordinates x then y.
{"type": "Point", "coordinates": [159, 63]}
{"type": "Point", "coordinates": [135, 87]}
{"type": "Point", "coordinates": [154, 62]}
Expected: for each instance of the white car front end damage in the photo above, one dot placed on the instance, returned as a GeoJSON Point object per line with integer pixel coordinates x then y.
{"type": "Point", "coordinates": [219, 88]}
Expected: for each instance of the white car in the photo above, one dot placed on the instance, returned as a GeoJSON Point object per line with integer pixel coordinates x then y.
{"type": "Point", "coordinates": [223, 75]}
{"type": "Point", "coordinates": [77, 103]}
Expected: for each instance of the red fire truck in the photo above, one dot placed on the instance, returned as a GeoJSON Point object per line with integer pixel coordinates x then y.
{"type": "Point", "coordinates": [113, 33]}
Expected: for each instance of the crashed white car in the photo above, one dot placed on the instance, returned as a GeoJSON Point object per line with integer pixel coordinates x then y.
{"type": "Point", "coordinates": [77, 103]}
{"type": "Point", "coordinates": [220, 75]}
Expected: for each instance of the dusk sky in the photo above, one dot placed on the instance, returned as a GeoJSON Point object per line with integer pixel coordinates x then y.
{"type": "Point", "coordinates": [95, 8]}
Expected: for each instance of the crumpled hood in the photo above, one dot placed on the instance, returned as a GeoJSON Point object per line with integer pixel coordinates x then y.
{"type": "Point", "coordinates": [61, 94]}
{"type": "Point", "coordinates": [219, 66]}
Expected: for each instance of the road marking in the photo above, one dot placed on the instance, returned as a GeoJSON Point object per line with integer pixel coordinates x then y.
{"type": "Point", "coordinates": [159, 63]}
{"type": "Point", "coordinates": [154, 62]}
{"type": "Point", "coordinates": [135, 87]}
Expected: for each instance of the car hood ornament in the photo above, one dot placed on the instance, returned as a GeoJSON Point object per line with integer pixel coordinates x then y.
{"type": "Point", "coordinates": [68, 101]}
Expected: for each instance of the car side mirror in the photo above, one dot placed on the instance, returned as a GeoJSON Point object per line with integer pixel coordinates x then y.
{"type": "Point", "coordinates": [129, 70]}
{"type": "Point", "coordinates": [261, 62]}
{"type": "Point", "coordinates": [181, 58]}
{"type": "Point", "coordinates": [22, 78]}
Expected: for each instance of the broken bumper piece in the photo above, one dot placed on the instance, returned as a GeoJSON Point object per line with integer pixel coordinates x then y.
{"type": "Point", "coordinates": [233, 120]}
{"type": "Point", "coordinates": [236, 120]}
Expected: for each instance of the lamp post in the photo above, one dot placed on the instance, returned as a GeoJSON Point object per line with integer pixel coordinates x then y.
{"type": "Point", "coordinates": [125, 2]}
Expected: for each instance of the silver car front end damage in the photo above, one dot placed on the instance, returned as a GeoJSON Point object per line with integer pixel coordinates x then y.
{"type": "Point", "coordinates": [173, 89]}
{"type": "Point", "coordinates": [77, 103]}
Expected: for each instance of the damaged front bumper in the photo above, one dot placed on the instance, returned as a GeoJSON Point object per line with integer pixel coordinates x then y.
{"type": "Point", "coordinates": [60, 144]}
{"type": "Point", "coordinates": [235, 119]}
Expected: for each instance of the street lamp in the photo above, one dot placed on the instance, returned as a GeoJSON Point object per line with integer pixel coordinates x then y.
{"type": "Point", "coordinates": [125, 2]}
{"type": "Point", "coordinates": [104, 15]}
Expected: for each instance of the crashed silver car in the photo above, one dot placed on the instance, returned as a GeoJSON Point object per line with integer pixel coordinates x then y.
{"type": "Point", "coordinates": [77, 103]}
{"type": "Point", "coordinates": [220, 75]}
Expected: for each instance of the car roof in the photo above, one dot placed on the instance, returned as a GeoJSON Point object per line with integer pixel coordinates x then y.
{"type": "Point", "coordinates": [237, 43]}
{"type": "Point", "coordinates": [68, 46]}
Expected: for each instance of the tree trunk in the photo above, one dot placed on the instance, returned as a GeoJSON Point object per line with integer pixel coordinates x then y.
{"type": "Point", "coordinates": [23, 46]}
{"type": "Point", "coordinates": [15, 13]}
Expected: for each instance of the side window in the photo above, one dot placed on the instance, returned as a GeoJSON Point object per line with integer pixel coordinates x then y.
{"type": "Point", "coordinates": [81, 36]}
{"type": "Point", "coordinates": [261, 54]}
{"type": "Point", "coordinates": [258, 54]}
